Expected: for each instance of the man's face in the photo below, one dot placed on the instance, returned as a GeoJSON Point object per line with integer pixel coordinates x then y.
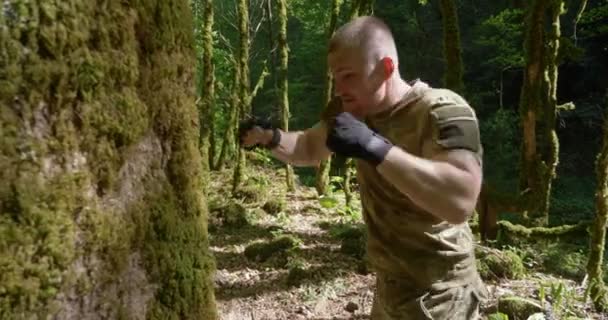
{"type": "Point", "coordinates": [356, 83]}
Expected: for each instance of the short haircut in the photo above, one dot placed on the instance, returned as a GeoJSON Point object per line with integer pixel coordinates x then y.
{"type": "Point", "coordinates": [368, 36]}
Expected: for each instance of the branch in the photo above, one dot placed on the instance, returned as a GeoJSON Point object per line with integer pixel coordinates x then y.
{"type": "Point", "coordinates": [260, 83]}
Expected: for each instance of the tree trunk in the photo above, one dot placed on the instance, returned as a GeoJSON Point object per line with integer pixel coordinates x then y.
{"type": "Point", "coordinates": [229, 144]}
{"type": "Point", "coordinates": [451, 47]}
{"type": "Point", "coordinates": [538, 110]}
{"type": "Point", "coordinates": [597, 288]}
{"type": "Point", "coordinates": [207, 101]}
{"type": "Point", "coordinates": [283, 83]}
{"type": "Point", "coordinates": [322, 179]}
{"type": "Point", "coordinates": [102, 210]}
{"type": "Point", "coordinates": [244, 96]}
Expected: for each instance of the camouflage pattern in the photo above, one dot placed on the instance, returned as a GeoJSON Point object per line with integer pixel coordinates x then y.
{"type": "Point", "coordinates": [425, 267]}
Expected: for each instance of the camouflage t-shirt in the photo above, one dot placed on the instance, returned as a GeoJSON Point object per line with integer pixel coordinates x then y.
{"type": "Point", "coordinates": [404, 240]}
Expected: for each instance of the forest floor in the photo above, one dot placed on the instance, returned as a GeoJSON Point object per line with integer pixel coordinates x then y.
{"type": "Point", "coordinates": [313, 267]}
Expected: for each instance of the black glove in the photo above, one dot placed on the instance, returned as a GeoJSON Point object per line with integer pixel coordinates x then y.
{"type": "Point", "coordinates": [350, 137]}
{"type": "Point", "coordinates": [251, 121]}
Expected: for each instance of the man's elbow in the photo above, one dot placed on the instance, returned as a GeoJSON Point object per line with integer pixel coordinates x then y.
{"type": "Point", "coordinates": [462, 210]}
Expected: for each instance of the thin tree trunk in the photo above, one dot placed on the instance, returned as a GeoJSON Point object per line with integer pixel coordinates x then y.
{"type": "Point", "coordinates": [322, 178]}
{"type": "Point", "coordinates": [596, 286]}
{"type": "Point", "coordinates": [244, 94]}
{"type": "Point", "coordinates": [273, 54]}
{"type": "Point", "coordinates": [229, 145]}
{"type": "Point", "coordinates": [548, 140]}
{"type": "Point", "coordinates": [577, 18]}
{"type": "Point", "coordinates": [451, 47]}
{"type": "Point", "coordinates": [283, 81]}
{"type": "Point", "coordinates": [207, 141]}
{"type": "Point", "coordinates": [531, 101]}
{"type": "Point", "coordinates": [102, 209]}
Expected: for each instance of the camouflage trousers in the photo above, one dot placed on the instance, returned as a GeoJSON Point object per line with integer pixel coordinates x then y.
{"type": "Point", "coordinates": [397, 299]}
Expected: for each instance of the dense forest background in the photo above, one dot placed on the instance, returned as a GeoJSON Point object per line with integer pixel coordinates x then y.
{"type": "Point", "coordinates": [125, 195]}
{"type": "Point", "coordinates": [492, 49]}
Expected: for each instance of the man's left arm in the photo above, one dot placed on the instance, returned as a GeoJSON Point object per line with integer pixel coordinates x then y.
{"type": "Point", "coordinates": [446, 180]}
{"type": "Point", "coordinates": [446, 185]}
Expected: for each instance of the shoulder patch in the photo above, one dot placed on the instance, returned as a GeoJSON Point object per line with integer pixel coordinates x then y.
{"type": "Point", "coordinates": [454, 123]}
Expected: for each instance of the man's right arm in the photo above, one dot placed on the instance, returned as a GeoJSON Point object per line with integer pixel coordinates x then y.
{"type": "Point", "coordinates": [301, 148]}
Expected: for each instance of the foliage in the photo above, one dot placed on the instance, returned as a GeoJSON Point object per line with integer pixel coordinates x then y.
{"type": "Point", "coordinates": [501, 34]}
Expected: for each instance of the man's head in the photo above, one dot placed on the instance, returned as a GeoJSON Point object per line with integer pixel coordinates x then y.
{"type": "Point", "coordinates": [363, 59]}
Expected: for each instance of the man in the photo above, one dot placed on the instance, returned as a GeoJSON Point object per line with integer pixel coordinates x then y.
{"type": "Point", "coordinates": [418, 156]}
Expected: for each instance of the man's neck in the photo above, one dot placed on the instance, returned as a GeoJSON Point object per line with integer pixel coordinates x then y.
{"type": "Point", "coordinates": [397, 89]}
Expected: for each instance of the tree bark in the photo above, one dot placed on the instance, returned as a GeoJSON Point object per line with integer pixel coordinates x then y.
{"type": "Point", "coordinates": [538, 105]}
{"type": "Point", "coordinates": [244, 96]}
{"type": "Point", "coordinates": [207, 141]}
{"type": "Point", "coordinates": [283, 81]}
{"type": "Point", "coordinates": [597, 288]}
{"type": "Point", "coordinates": [322, 177]}
{"type": "Point", "coordinates": [102, 210]}
{"type": "Point", "coordinates": [451, 47]}
{"type": "Point", "coordinates": [229, 142]}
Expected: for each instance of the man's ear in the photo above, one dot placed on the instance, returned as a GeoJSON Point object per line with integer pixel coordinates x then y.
{"type": "Point", "coordinates": [389, 67]}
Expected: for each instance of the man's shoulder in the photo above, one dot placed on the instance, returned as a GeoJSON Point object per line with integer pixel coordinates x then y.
{"type": "Point", "coordinates": [435, 97]}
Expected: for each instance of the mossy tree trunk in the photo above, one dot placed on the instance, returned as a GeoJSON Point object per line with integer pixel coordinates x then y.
{"type": "Point", "coordinates": [102, 214]}
{"type": "Point", "coordinates": [452, 52]}
{"type": "Point", "coordinates": [538, 105]}
{"type": "Point", "coordinates": [229, 137]}
{"type": "Point", "coordinates": [322, 176]}
{"type": "Point", "coordinates": [282, 80]}
{"type": "Point", "coordinates": [244, 95]}
{"type": "Point", "coordinates": [207, 139]}
{"type": "Point", "coordinates": [596, 286]}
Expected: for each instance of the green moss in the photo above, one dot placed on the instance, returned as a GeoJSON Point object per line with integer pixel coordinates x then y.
{"type": "Point", "coordinates": [511, 233]}
{"type": "Point", "coordinates": [262, 251]}
{"type": "Point", "coordinates": [274, 205]}
{"type": "Point", "coordinates": [235, 215]}
{"type": "Point", "coordinates": [95, 81]}
{"type": "Point", "coordinates": [495, 264]}
{"type": "Point", "coordinates": [251, 193]}
{"type": "Point", "coordinates": [517, 307]}
{"type": "Point", "coordinates": [175, 251]}
{"type": "Point", "coordinates": [565, 260]}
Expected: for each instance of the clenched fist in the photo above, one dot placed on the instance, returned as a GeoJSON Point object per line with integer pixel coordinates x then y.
{"type": "Point", "coordinates": [352, 138]}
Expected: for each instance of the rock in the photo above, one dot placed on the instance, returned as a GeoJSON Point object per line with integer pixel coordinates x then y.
{"type": "Point", "coordinates": [274, 205]}
{"type": "Point", "coordinates": [493, 264]}
{"type": "Point", "coordinates": [351, 307]}
{"type": "Point", "coordinates": [261, 251]}
{"type": "Point", "coordinates": [303, 310]}
{"type": "Point", "coordinates": [518, 307]}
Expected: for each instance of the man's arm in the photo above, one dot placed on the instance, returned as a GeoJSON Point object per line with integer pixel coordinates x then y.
{"type": "Point", "coordinates": [447, 185]}
{"type": "Point", "coordinates": [301, 148]}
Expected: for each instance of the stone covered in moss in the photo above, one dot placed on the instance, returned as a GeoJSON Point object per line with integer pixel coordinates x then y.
{"type": "Point", "coordinates": [251, 193]}
{"type": "Point", "coordinates": [495, 264]}
{"type": "Point", "coordinates": [274, 205]}
{"type": "Point", "coordinates": [517, 307]}
{"type": "Point", "coordinates": [262, 251]}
